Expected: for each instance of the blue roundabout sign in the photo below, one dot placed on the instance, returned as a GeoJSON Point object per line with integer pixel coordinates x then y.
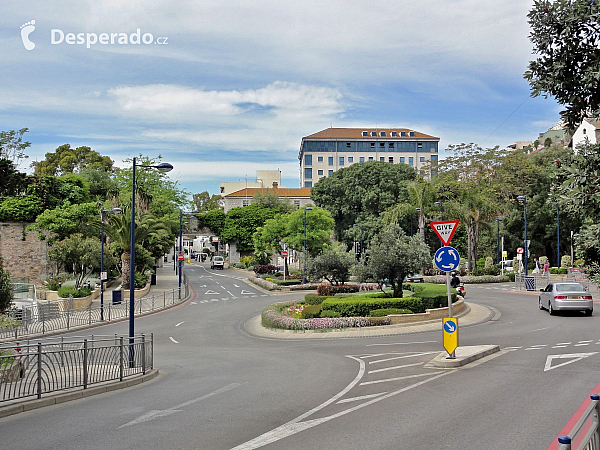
{"type": "Point", "coordinates": [447, 259]}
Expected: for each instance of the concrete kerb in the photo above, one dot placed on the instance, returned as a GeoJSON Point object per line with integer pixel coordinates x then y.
{"type": "Point", "coordinates": [62, 397]}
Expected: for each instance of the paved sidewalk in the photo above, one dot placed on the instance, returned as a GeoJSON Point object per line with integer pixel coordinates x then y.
{"type": "Point", "coordinates": [473, 314]}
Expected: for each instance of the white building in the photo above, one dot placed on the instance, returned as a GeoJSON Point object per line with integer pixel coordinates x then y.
{"type": "Point", "coordinates": [587, 131]}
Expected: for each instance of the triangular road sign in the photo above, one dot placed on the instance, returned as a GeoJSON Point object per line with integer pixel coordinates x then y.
{"type": "Point", "coordinates": [445, 230]}
{"type": "Point", "coordinates": [573, 357]}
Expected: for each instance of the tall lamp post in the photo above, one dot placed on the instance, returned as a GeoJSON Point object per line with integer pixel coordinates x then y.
{"type": "Point", "coordinates": [498, 220]}
{"type": "Point", "coordinates": [308, 208]}
{"type": "Point", "coordinates": [523, 199]}
{"type": "Point", "coordinates": [361, 238]}
{"type": "Point", "coordinates": [162, 167]}
{"type": "Point", "coordinates": [441, 205]}
{"type": "Point", "coordinates": [557, 234]}
{"type": "Point", "coordinates": [180, 263]}
{"type": "Point", "coordinates": [103, 213]}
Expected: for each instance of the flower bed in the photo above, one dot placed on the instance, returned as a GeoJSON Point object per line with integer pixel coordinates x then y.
{"type": "Point", "coordinates": [470, 279]}
{"type": "Point", "coordinates": [304, 287]}
{"type": "Point", "coordinates": [272, 317]}
{"type": "Point", "coordinates": [264, 283]}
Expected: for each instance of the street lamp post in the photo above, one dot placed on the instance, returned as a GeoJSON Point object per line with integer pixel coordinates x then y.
{"type": "Point", "coordinates": [523, 199]}
{"type": "Point", "coordinates": [162, 167]}
{"type": "Point", "coordinates": [441, 205]}
{"type": "Point", "coordinates": [103, 213]}
{"type": "Point", "coordinates": [308, 208]}
{"type": "Point", "coordinates": [498, 220]}
{"type": "Point", "coordinates": [557, 234]}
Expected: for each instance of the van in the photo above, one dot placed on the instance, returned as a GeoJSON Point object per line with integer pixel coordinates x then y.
{"type": "Point", "coordinates": [218, 262]}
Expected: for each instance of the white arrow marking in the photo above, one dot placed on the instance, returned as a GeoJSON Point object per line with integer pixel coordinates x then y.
{"type": "Point", "coordinates": [193, 303]}
{"type": "Point", "coordinates": [451, 328]}
{"type": "Point", "coordinates": [453, 253]}
{"type": "Point", "coordinates": [154, 414]}
{"type": "Point", "coordinates": [202, 285]}
{"type": "Point", "coordinates": [439, 257]}
{"type": "Point", "coordinates": [246, 292]}
{"type": "Point", "coordinates": [173, 340]}
{"type": "Point", "coordinates": [209, 292]}
{"type": "Point", "coordinates": [447, 266]}
{"type": "Point", "coordinates": [235, 285]}
{"type": "Point", "coordinates": [180, 323]}
{"type": "Point", "coordinates": [574, 358]}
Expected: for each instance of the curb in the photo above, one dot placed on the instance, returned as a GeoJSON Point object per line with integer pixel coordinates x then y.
{"type": "Point", "coordinates": [464, 356]}
{"type": "Point", "coordinates": [30, 405]}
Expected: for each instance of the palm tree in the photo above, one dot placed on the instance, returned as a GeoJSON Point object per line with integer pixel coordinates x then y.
{"type": "Point", "coordinates": [118, 230]}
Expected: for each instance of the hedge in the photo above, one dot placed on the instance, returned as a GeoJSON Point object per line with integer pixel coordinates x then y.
{"type": "Point", "coordinates": [388, 311]}
{"type": "Point", "coordinates": [432, 295]}
{"type": "Point", "coordinates": [362, 306]}
{"type": "Point", "coordinates": [313, 299]}
{"type": "Point", "coordinates": [329, 290]}
{"type": "Point", "coordinates": [261, 269]}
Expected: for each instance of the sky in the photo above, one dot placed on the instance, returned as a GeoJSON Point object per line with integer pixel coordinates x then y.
{"type": "Point", "coordinates": [221, 89]}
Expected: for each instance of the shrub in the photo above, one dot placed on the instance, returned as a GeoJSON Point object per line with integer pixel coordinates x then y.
{"type": "Point", "coordinates": [328, 290]}
{"type": "Point", "coordinates": [51, 284]}
{"type": "Point", "coordinates": [313, 299]}
{"type": "Point", "coordinates": [558, 270]}
{"type": "Point", "coordinates": [311, 312]}
{"type": "Point", "coordinates": [510, 275]}
{"type": "Point", "coordinates": [140, 280]}
{"type": "Point", "coordinates": [362, 306]}
{"type": "Point", "coordinates": [288, 282]}
{"type": "Point", "coordinates": [388, 311]}
{"type": "Point", "coordinates": [65, 291]}
{"type": "Point", "coordinates": [330, 313]}
{"type": "Point", "coordinates": [489, 262]}
{"type": "Point", "coordinates": [263, 269]}
{"type": "Point", "coordinates": [565, 261]}
{"type": "Point", "coordinates": [264, 283]}
{"type": "Point", "coordinates": [304, 287]}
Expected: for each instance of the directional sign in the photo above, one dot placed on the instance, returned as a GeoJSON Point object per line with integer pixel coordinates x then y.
{"type": "Point", "coordinates": [445, 230]}
{"type": "Point", "coordinates": [520, 250]}
{"type": "Point", "coordinates": [447, 258]}
{"type": "Point", "coordinates": [450, 332]}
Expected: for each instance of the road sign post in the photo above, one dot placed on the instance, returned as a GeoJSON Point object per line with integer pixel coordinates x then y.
{"type": "Point", "coordinates": [447, 259]}
{"type": "Point", "coordinates": [450, 335]}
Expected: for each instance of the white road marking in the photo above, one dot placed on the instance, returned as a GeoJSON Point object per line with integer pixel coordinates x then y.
{"type": "Point", "coordinates": [533, 348]}
{"type": "Point", "coordinates": [402, 343]}
{"type": "Point", "coordinates": [209, 292]}
{"type": "Point", "coordinates": [232, 296]}
{"type": "Point", "coordinates": [362, 397]}
{"type": "Point", "coordinates": [173, 340]}
{"type": "Point", "coordinates": [180, 323]}
{"type": "Point", "coordinates": [155, 414]}
{"type": "Point", "coordinates": [214, 299]}
{"type": "Point", "coordinates": [580, 345]}
{"type": "Point", "coordinates": [559, 346]}
{"type": "Point", "coordinates": [584, 342]}
{"type": "Point", "coordinates": [401, 357]}
{"type": "Point", "coordinates": [563, 343]}
{"type": "Point", "coordinates": [574, 357]}
{"type": "Point", "coordinates": [395, 367]}
{"type": "Point", "coordinates": [235, 285]}
{"type": "Point", "coordinates": [244, 292]}
{"type": "Point", "coordinates": [366, 383]}
{"type": "Point", "coordinates": [539, 329]}
{"type": "Point", "coordinates": [203, 301]}
{"type": "Point", "coordinates": [295, 426]}
{"type": "Point", "coordinates": [539, 345]}
{"type": "Point", "coordinates": [193, 303]}
{"type": "Point", "coordinates": [512, 348]}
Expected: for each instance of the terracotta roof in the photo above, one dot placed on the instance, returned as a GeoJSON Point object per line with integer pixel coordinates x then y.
{"type": "Point", "coordinates": [282, 192]}
{"type": "Point", "coordinates": [356, 133]}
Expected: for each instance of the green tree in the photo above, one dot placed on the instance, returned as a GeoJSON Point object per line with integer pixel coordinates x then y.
{"type": "Point", "coordinates": [204, 202]}
{"type": "Point", "coordinates": [270, 199]}
{"type": "Point", "coordinates": [319, 226]}
{"type": "Point", "coordinates": [334, 264]}
{"type": "Point", "coordinates": [214, 220]}
{"type": "Point", "coordinates": [361, 193]}
{"type": "Point", "coordinates": [66, 220]}
{"type": "Point", "coordinates": [241, 224]}
{"type": "Point", "coordinates": [71, 160]}
{"type": "Point", "coordinates": [271, 236]}
{"type": "Point", "coordinates": [12, 147]}
{"type": "Point", "coordinates": [13, 181]}
{"type": "Point", "coordinates": [566, 37]}
{"type": "Point", "coordinates": [6, 291]}
{"type": "Point", "coordinates": [392, 256]}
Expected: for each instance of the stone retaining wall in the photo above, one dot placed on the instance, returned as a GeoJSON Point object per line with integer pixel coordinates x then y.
{"type": "Point", "coordinates": [24, 254]}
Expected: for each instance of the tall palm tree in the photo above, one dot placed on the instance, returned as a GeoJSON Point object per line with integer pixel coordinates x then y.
{"type": "Point", "coordinates": [118, 228]}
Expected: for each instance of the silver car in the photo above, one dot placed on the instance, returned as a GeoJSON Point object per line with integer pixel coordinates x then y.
{"type": "Point", "coordinates": [566, 296]}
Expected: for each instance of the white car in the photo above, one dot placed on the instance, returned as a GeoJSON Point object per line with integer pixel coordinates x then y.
{"type": "Point", "coordinates": [218, 262]}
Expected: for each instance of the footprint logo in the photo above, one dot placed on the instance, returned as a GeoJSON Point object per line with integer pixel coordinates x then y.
{"type": "Point", "coordinates": [26, 30]}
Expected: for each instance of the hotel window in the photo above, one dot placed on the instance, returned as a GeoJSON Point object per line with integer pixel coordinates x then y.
{"type": "Point", "coordinates": [297, 203]}
{"type": "Point", "coordinates": [307, 172]}
{"type": "Point", "coordinates": [394, 134]}
{"type": "Point", "coordinates": [403, 133]}
{"type": "Point", "coordinates": [341, 160]}
{"type": "Point", "coordinates": [246, 202]}
{"type": "Point", "coordinates": [362, 159]}
{"type": "Point", "coordinates": [410, 161]}
{"type": "Point", "coordinates": [330, 172]}
{"type": "Point", "coordinates": [402, 160]}
{"type": "Point", "coordinates": [370, 158]}
{"type": "Point", "coordinates": [372, 144]}
{"type": "Point", "coordinates": [308, 184]}
{"type": "Point", "coordinates": [391, 145]}
{"type": "Point", "coordinates": [419, 146]}
{"type": "Point", "coordinates": [308, 160]}
{"type": "Point", "coordinates": [421, 159]}
{"type": "Point", "coordinates": [374, 133]}
{"type": "Point", "coordinates": [382, 144]}
{"type": "Point", "coordinates": [382, 134]}
{"type": "Point", "coordinates": [365, 133]}
{"type": "Point", "coordinates": [348, 145]}
{"type": "Point", "coordinates": [391, 159]}
{"type": "Point", "coordinates": [411, 133]}
{"type": "Point", "coordinates": [319, 172]}
{"type": "Point", "coordinates": [330, 160]}
{"type": "Point", "coordinates": [350, 159]}
{"type": "Point", "coordinates": [382, 158]}
{"type": "Point", "coordinates": [319, 159]}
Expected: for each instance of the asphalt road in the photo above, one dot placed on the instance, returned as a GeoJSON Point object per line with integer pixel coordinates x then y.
{"type": "Point", "coordinates": [221, 388]}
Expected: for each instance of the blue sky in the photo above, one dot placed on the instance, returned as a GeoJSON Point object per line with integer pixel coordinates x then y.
{"type": "Point", "coordinates": [239, 83]}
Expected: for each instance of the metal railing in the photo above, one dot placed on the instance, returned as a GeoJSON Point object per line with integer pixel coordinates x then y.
{"type": "Point", "coordinates": [537, 281]}
{"type": "Point", "coordinates": [51, 316]}
{"type": "Point", "coordinates": [585, 435]}
{"type": "Point", "coordinates": [32, 370]}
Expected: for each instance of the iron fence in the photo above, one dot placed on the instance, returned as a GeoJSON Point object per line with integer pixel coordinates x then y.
{"type": "Point", "coordinates": [538, 281]}
{"type": "Point", "coordinates": [53, 317]}
{"type": "Point", "coordinates": [32, 370]}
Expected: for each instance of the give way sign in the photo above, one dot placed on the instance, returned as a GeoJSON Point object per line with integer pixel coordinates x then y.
{"type": "Point", "coordinates": [445, 230]}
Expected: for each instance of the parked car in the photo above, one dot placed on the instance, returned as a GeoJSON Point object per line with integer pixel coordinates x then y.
{"type": "Point", "coordinates": [218, 262]}
{"type": "Point", "coordinates": [414, 279]}
{"type": "Point", "coordinates": [566, 296]}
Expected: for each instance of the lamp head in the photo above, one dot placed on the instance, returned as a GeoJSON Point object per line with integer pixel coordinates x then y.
{"type": "Point", "coordinates": [436, 203]}
{"type": "Point", "coordinates": [521, 198]}
{"type": "Point", "coordinates": [308, 208]}
{"type": "Point", "coordinates": [164, 167]}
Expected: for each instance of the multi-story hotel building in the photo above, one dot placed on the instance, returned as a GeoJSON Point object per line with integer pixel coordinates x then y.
{"type": "Point", "coordinates": [324, 152]}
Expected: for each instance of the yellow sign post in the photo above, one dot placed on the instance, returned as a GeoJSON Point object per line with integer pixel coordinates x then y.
{"type": "Point", "coordinates": [450, 334]}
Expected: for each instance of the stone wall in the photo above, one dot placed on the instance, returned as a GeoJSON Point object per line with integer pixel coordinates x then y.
{"type": "Point", "coordinates": [24, 254]}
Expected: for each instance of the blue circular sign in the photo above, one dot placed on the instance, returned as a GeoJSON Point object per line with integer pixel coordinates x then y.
{"type": "Point", "coordinates": [447, 259]}
{"type": "Point", "coordinates": [450, 326]}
